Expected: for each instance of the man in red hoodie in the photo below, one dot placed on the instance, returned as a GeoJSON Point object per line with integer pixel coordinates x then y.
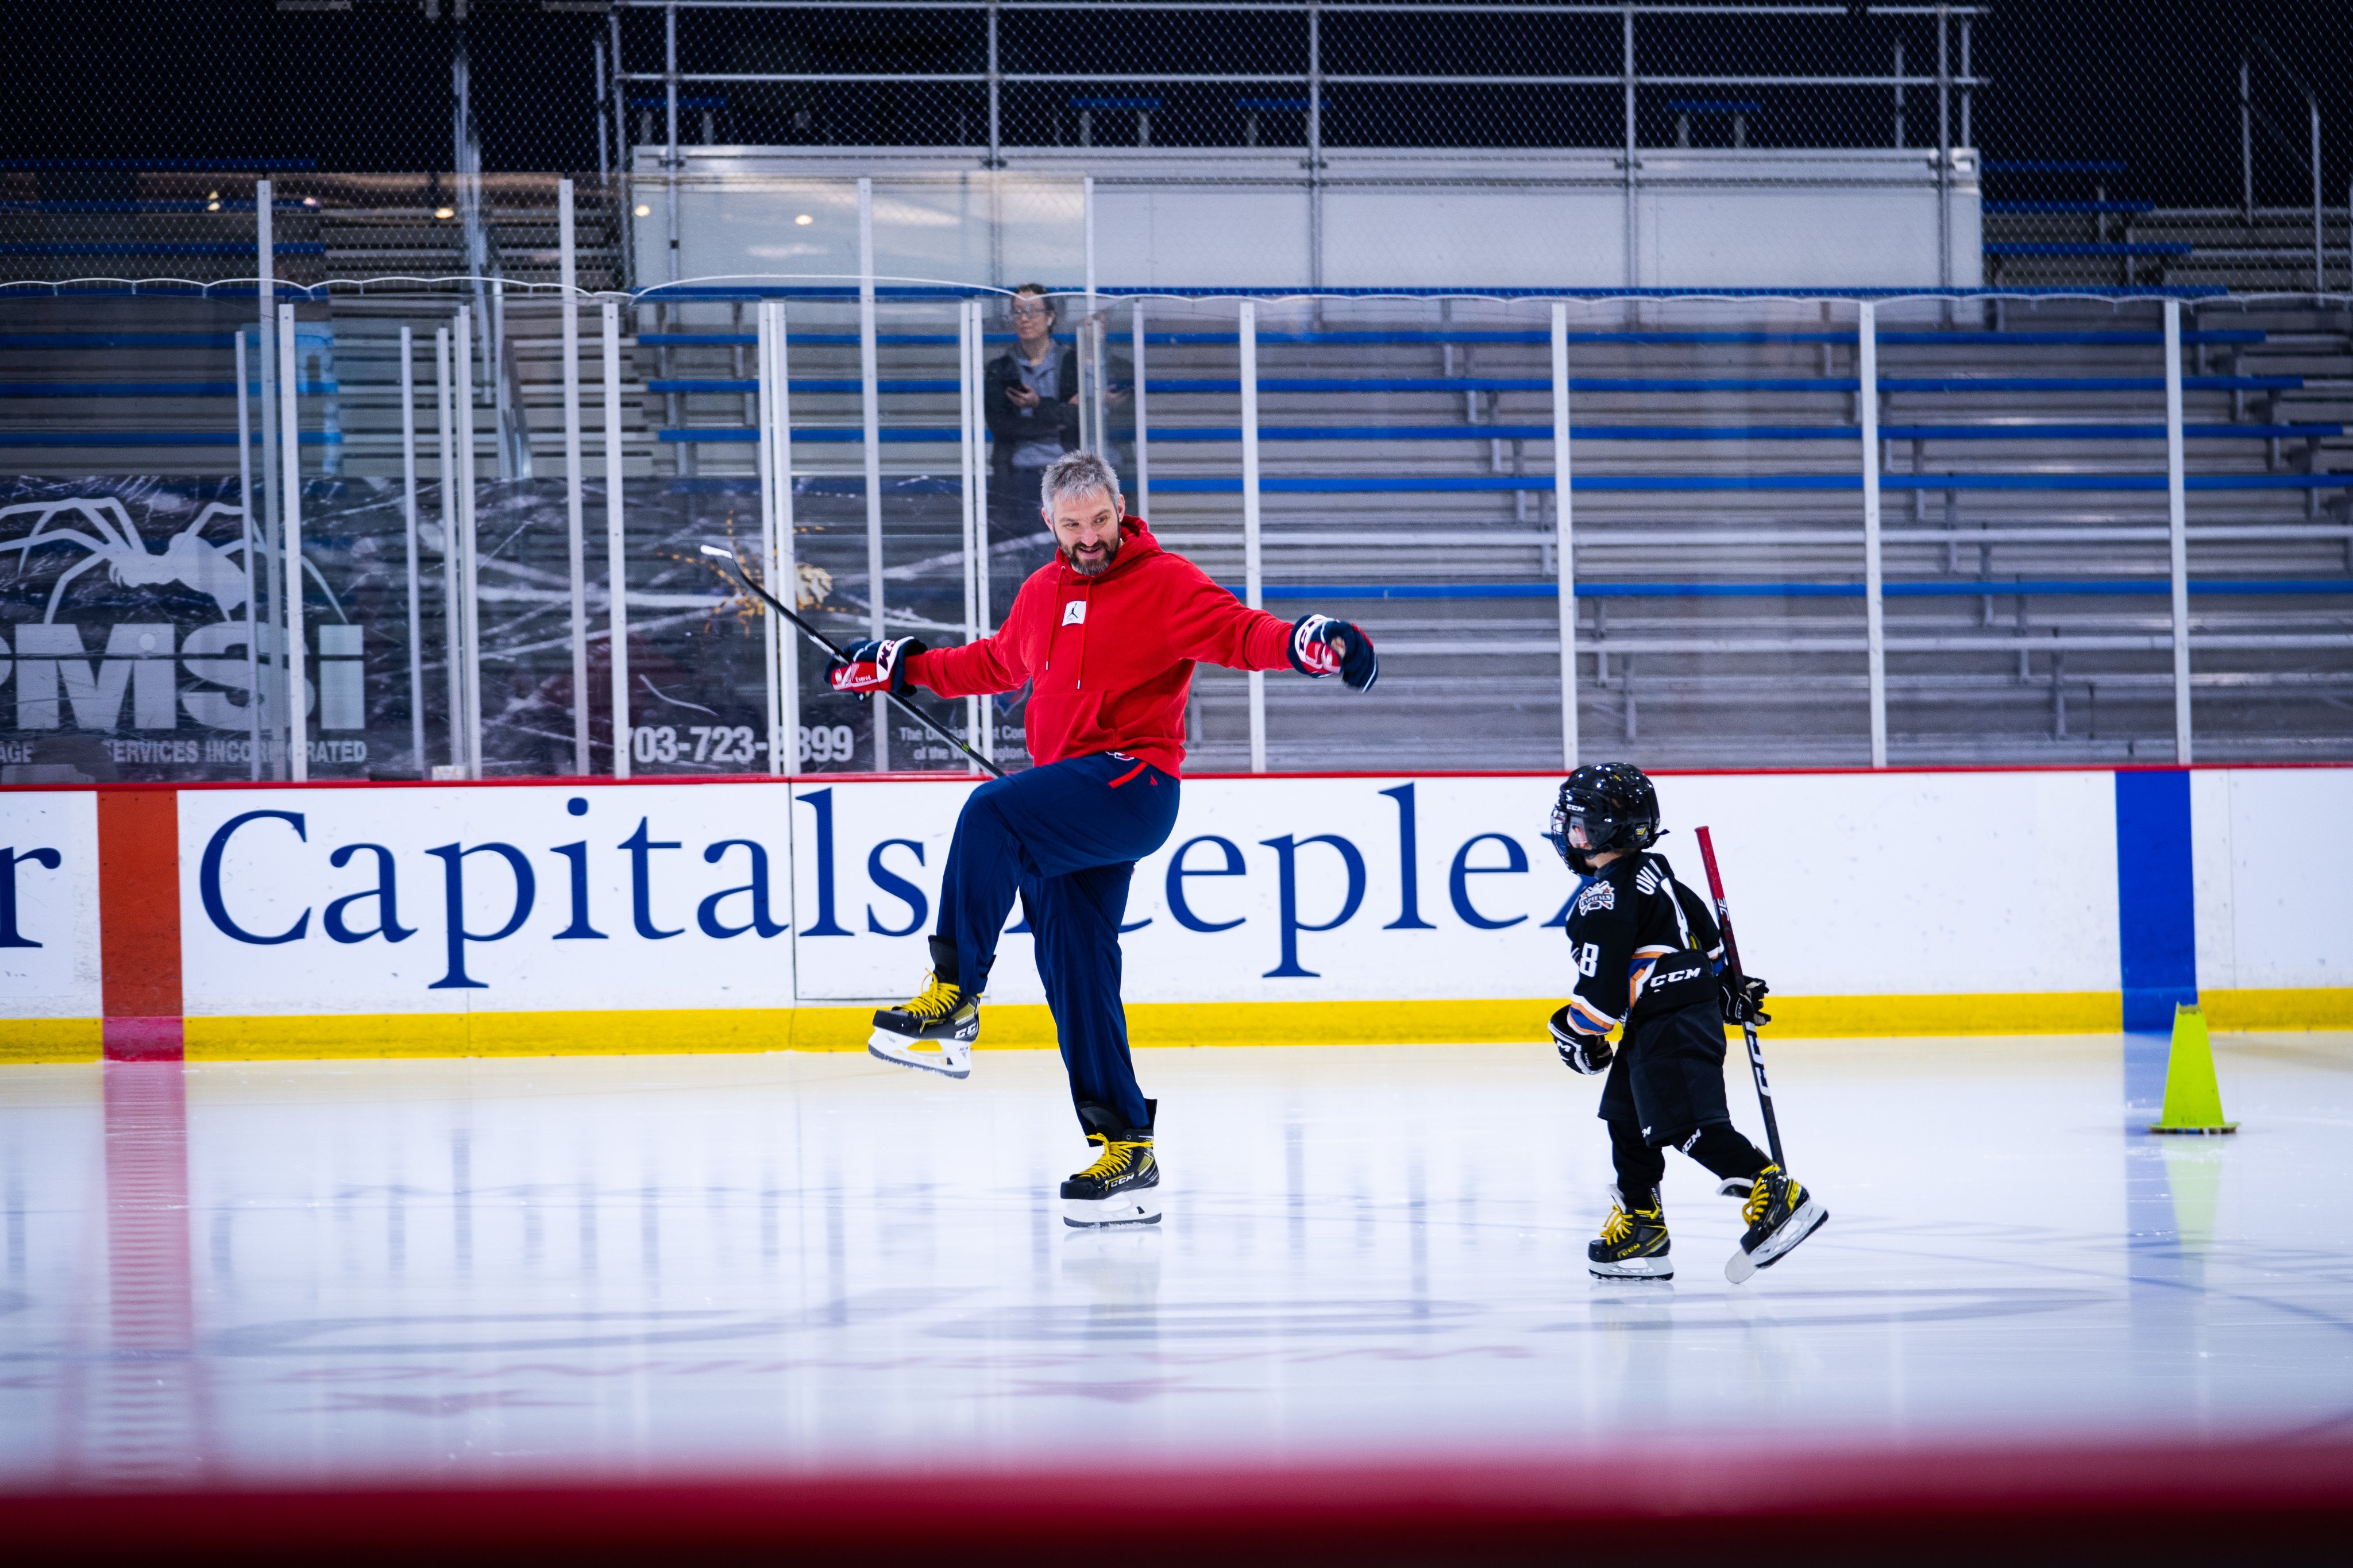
{"type": "Point", "coordinates": [1106, 636]}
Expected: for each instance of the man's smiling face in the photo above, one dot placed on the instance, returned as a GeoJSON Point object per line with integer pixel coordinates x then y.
{"type": "Point", "coordinates": [1086, 530]}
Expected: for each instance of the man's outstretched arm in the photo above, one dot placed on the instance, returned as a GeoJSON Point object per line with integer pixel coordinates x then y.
{"type": "Point", "coordinates": [1207, 623]}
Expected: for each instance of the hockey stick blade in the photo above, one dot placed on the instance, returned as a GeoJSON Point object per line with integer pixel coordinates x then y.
{"type": "Point", "coordinates": [743, 575]}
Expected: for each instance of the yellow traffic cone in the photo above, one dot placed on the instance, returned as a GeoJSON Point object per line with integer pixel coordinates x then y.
{"type": "Point", "coordinates": [2193, 1101]}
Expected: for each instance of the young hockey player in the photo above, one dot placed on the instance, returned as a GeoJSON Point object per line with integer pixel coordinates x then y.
{"type": "Point", "coordinates": [1106, 636]}
{"type": "Point", "coordinates": [1649, 955]}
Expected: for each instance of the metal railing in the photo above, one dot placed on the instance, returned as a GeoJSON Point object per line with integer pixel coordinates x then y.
{"type": "Point", "coordinates": [1954, 84]}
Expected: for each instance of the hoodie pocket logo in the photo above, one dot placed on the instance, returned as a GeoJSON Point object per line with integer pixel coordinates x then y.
{"type": "Point", "coordinates": [1074, 613]}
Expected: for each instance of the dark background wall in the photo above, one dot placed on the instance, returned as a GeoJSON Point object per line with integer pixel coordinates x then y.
{"type": "Point", "coordinates": [2153, 85]}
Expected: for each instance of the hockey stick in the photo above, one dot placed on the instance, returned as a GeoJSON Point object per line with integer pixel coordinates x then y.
{"type": "Point", "coordinates": [1732, 958]}
{"type": "Point", "coordinates": [744, 575]}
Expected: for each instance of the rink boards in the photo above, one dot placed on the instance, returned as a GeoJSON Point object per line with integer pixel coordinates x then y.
{"type": "Point", "coordinates": [769, 914]}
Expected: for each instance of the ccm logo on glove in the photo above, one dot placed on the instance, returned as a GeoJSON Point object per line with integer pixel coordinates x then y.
{"type": "Point", "coordinates": [1321, 646]}
{"type": "Point", "coordinates": [876, 665]}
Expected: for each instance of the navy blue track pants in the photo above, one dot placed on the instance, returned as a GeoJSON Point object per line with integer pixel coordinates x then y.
{"type": "Point", "coordinates": [1066, 837]}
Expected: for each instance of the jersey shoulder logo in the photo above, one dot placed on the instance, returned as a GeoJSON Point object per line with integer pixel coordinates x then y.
{"type": "Point", "coordinates": [1074, 613]}
{"type": "Point", "coordinates": [1647, 880]}
{"type": "Point", "coordinates": [1598, 894]}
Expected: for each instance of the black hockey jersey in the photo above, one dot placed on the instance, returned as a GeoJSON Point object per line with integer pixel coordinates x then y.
{"type": "Point", "coordinates": [1643, 943]}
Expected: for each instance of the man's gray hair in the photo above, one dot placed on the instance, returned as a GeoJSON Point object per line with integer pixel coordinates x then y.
{"type": "Point", "coordinates": [1075, 474]}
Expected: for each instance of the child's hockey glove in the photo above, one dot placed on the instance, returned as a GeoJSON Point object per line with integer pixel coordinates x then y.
{"type": "Point", "coordinates": [1580, 1052]}
{"type": "Point", "coordinates": [1744, 999]}
{"type": "Point", "coordinates": [1317, 650]}
{"type": "Point", "coordinates": [873, 666]}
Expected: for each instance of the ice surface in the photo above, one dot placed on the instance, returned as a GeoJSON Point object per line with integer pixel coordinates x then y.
{"type": "Point", "coordinates": [436, 1270]}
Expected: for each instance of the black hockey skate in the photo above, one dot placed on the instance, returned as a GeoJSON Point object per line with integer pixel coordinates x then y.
{"type": "Point", "coordinates": [1123, 1187]}
{"type": "Point", "coordinates": [932, 1031]}
{"type": "Point", "coordinates": [1633, 1244]}
{"type": "Point", "coordinates": [1780, 1214]}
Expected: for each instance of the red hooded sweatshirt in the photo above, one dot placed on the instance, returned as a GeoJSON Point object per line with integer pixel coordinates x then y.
{"type": "Point", "coordinates": [1110, 657]}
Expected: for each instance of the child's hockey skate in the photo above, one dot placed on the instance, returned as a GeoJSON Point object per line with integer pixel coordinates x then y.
{"type": "Point", "coordinates": [932, 1031]}
{"type": "Point", "coordinates": [1780, 1214]}
{"type": "Point", "coordinates": [1123, 1187]}
{"type": "Point", "coordinates": [1633, 1244]}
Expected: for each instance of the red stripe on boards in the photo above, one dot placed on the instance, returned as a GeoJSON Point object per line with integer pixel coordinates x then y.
{"type": "Point", "coordinates": [139, 922]}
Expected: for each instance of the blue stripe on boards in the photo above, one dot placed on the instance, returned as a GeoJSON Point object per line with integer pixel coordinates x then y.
{"type": "Point", "coordinates": [2156, 897]}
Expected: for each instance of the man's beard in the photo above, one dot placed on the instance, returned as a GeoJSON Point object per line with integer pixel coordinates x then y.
{"type": "Point", "coordinates": [1102, 564]}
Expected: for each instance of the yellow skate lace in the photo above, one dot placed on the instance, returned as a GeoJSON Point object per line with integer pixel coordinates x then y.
{"type": "Point", "coordinates": [1114, 1161]}
{"type": "Point", "coordinates": [1617, 1227]}
{"type": "Point", "coordinates": [937, 1000]}
{"type": "Point", "coordinates": [1760, 1195]}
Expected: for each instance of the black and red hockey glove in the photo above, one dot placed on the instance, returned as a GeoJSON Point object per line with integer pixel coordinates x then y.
{"type": "Point", "coordinates": [1321, 646]}
{"type": "Point", "coordinates": [874, 666]}
{"type": "Point", "coordinates": [1580, 1052]}
{"type": "Point", "coordinates": [1744, 999]}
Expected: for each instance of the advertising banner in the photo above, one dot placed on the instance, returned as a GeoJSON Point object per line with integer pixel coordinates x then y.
{"type": "Point", "coordinates": [769, 913]}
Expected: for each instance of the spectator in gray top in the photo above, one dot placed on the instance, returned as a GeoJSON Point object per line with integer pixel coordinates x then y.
{"type": "Point", "coordinates": [1030, 397]}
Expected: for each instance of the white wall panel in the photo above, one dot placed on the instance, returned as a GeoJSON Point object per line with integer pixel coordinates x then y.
{"type": "Point", "coordinates": [2291, 863]}
{"type": "Point", "coordinates": [50, 969]}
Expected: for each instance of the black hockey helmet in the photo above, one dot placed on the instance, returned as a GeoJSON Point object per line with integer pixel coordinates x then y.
{"type": "Point", "coordinates": [1607, 805]}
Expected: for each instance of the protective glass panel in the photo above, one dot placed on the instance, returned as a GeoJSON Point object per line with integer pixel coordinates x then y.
{"type": "Point", "coordinates": [2270, 539]}
{"type": "Point", "coordinates": [145, 609]}
{"type": "Point", "coordinates": [1181, 461]}
{"type": "Point", "coordinates": [2025, 531]}
{"type": "Point", "coordinates": [1718, 533]}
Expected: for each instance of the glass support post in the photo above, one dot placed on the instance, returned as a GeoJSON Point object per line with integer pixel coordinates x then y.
{"type": "Point", "coordinates": [871, 409]}
{"type": "Point", "coordinates": [469, 603]}
{"type": "Point", "coordinates": [251, 539]}
{"type": "Point", "coordinates": [298, 759]}
{"type": "Point", "coordinates": [616, 570]}
{"type": "Point", "coordinates": [976, 368]}
{"type": "Point", "coordinates": [265, 344]}
{"type": "Point", "coordinates": [1564, 552]}
{"type": "Point", "coordinates": [408, 537]}
{"type": "Point", "coordinates": [1089, 341]}
{"type": "Point", "coordinates": [968, 468]}
{"type": "Point", "coordinates": [576, 537]}
{"type": "Point", "coordinates": [781, 560]}
{"type": "Point", "coordinates": [1136, 395]}
{"type": "Point", "coordinates": [2177, 531]}
{"type": "Point", "coordinates": [445, 411]}
{"type": "Point", "coordinates": [1874, 606]}
{"type": "Point", "coordinates": [1253, 587]}
{"type": "Point", "coordinates": [1099, 335]}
